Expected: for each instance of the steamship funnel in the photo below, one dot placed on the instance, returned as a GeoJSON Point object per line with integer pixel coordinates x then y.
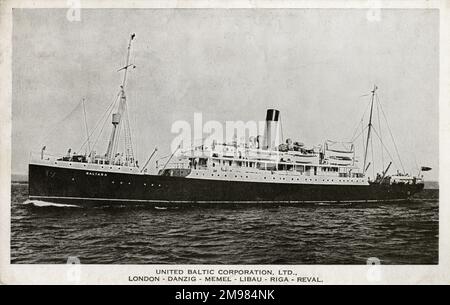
{"type": "Point", "coordinates": [271, 137]}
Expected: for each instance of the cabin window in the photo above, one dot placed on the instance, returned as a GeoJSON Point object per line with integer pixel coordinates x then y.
{"type": "Point", "coordinates": [202, 162]}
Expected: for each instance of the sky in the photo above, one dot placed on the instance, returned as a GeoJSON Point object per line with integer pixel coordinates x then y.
{"type": "Point", "coordinates": [315, 65]}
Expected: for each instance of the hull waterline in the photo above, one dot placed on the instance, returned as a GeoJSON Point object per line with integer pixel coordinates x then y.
{"type": "Point", "coordinates": [82, 187]}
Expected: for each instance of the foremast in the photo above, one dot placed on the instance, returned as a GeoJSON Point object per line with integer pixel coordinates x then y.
{"type": "Point", "coordinates": [121, 116]}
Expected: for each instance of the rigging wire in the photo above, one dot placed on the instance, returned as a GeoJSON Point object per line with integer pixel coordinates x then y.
{"type": "Point", "coordinates": [381, 137]}
{"type": "Point", "coordinates": [133, 128]}
{"type": "Point", "coordinates": [103, 125]}
{"type": "Point", "coordinates": [86, 125]}
{"type": "Point", "coordinates": [363, 137]}
{"type": "Point", "coordinates": [387, 150]}
{"type": "Point", "coordinates": [390, 132]}
{"type": "Point", "coordinates": [361, 121]}
{"type": "Point", "coordinates": [164, 157]}
{"type": "Point", "coordinates": [54, 126]}
{"type": "Point", "coordinates": [117, 142]}
{"type": "Point", "coordinates": [281, 127]}
{"type": "Point", "coordinates": [363, 129]}
{"type": "Point", "coordinates": [128, 137]}
{"type": "Point", "coordinates": [373, 159]}
{"type": "Point", "coordinates": [102, 117]}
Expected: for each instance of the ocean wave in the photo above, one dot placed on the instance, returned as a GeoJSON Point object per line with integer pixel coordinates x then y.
{"type": "Point", "coordinates": [40, 203]}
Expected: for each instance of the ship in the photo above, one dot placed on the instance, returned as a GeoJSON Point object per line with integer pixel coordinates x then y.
{"type": "Point", "coordinates": [263, 169]}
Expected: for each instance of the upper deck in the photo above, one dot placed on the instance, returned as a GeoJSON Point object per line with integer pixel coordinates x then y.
{"type": "Point", "coordinates": [246, 163]}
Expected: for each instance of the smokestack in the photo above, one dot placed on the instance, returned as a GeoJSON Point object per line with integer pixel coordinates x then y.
{"type": "Point", "coordinates": [271, 138]}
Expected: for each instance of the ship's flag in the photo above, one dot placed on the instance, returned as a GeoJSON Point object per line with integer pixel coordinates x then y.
{"type": "Point", "coordinates": [425, 168]}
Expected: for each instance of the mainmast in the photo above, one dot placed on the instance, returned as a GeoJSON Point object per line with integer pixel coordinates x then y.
{"type": "Point", "coordinates": [370, 128]}
{"type": "Point", "coordinates": [117, 117]}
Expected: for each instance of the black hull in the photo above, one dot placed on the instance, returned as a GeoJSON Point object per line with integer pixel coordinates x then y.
{"type": "Point", "coordinates": [77, 186]}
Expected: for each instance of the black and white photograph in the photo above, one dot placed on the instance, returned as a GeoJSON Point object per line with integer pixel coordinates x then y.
{"type": "Point", "coordinates": [233, 138]}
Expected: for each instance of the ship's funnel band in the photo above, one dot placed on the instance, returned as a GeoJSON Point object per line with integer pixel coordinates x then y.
{"type": "Point", "coordinates": [272, 115]}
